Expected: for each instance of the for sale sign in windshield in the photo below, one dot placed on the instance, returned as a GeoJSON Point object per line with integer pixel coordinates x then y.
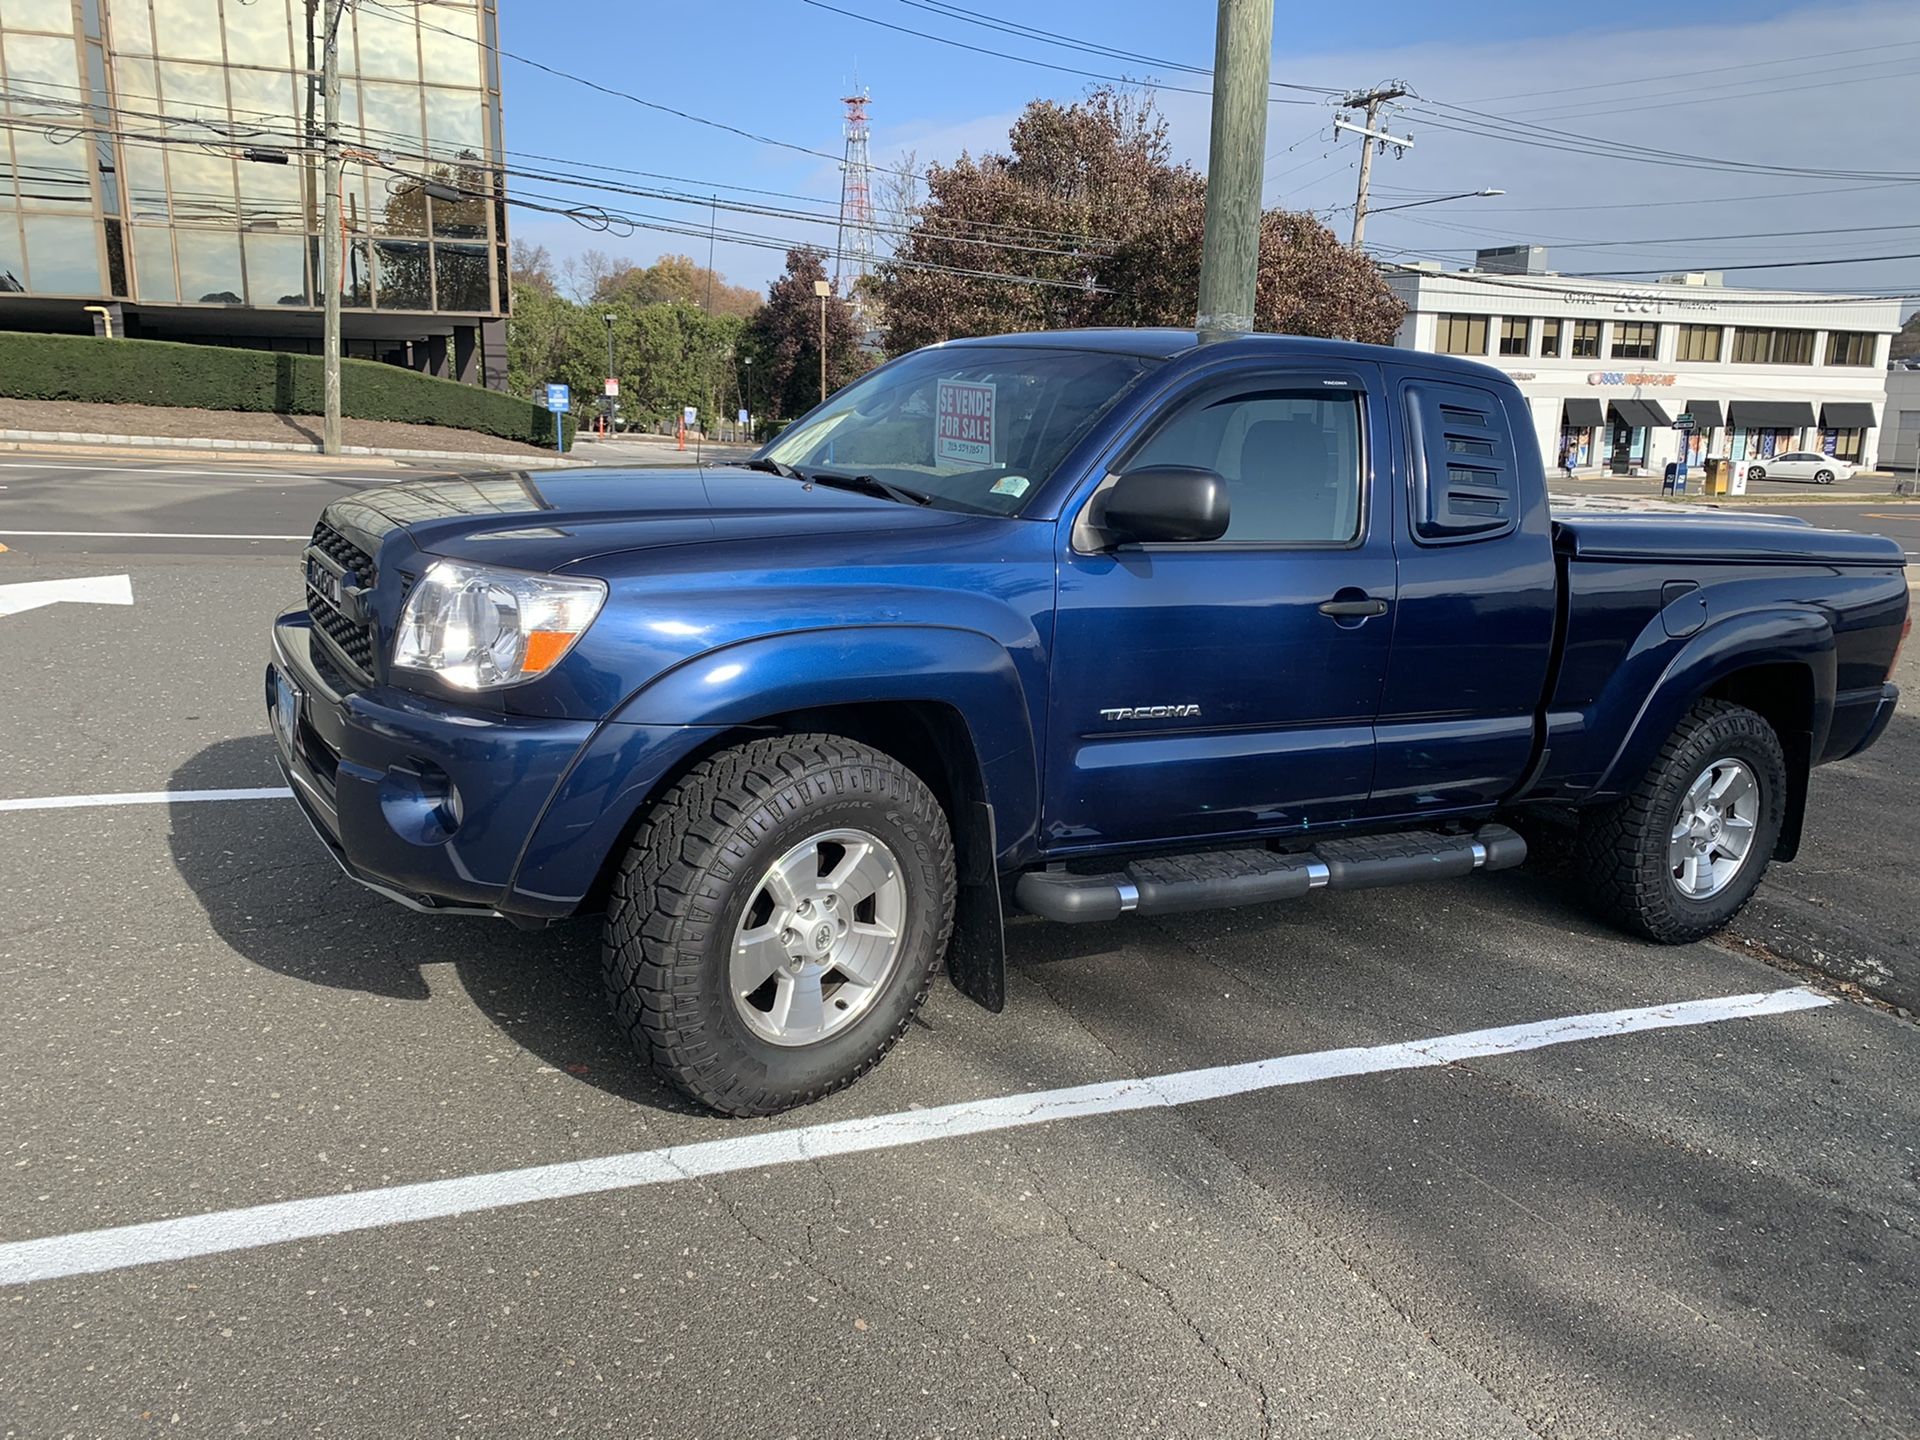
{"type": "Point", "coordinates": [963, 425]}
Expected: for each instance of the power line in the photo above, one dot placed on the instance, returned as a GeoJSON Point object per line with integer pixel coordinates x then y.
{"type": "Point", "coordinates": [1025, 59]}
{"type": "Point", "coordinates": [1054, 37]}
{"type": "Point", "coordinates": [1546, 137]}
{"type": "Point", "coordinates": [1691, 74]}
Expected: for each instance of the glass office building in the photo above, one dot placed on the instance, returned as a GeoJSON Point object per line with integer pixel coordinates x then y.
{"type": "Point", "coordinates": [160, 158]}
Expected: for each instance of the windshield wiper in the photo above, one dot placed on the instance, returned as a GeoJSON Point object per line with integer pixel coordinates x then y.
{"type": "Point", "coordinates": [772, 467]}
{"type": "Point", "coordinates": [868, 485]}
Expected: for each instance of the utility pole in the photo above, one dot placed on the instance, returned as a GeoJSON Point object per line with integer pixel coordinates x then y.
{"type": "Point", "coordinates": [823, 289]}
{"type": "Point", "coordinates": [330, 252]}
{"type": "Point", "coordinates": [1230, 253]}
{"type": "Point", "coordinates": [1370, 136]}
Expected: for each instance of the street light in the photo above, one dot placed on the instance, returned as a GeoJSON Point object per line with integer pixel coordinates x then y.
{"type": "Point", "coordinates": [1463, 195]}
{"type": "Point", "coordinates": [606, 402]}
{"type": "Point", "coordinates": [823, 289]}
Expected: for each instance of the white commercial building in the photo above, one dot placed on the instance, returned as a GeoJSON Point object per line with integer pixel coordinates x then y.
{"type": "Point", "coordinates": [1608, 366]}
{"type": "Point", "coordinates": [1900, 446]}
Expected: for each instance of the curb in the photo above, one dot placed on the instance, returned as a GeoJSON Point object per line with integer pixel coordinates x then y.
{"type": "Point", "coordinates": [14, 439]}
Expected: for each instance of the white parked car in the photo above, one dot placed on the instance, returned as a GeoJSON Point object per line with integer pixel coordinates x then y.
{"type": "Point", "coordinates": [1800, 465]}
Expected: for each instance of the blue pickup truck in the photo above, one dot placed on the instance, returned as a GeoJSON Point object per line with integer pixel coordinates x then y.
{"type": "Point", "coordinates": [1076, 625]}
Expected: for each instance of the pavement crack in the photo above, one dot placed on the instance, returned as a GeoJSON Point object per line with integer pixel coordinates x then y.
{"type": "Point", "coordinates": [1254, 1386]}
{"type": "Point", "coordinates": [876, 1303]}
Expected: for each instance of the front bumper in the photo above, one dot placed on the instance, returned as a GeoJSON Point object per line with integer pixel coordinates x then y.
{"type": "Point", "coordinates": [452, 809]}
{"type": "Point", "coordinates": [423, 801]}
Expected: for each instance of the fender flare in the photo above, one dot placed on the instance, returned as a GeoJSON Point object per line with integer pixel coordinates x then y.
{"type": "Point", "coordinates": [748, 681]}
{"type": "Point", "coordinates": [1780, 635]}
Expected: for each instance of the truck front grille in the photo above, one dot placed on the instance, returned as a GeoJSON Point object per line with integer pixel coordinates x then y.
{"type": "Point", "coordinates": [351, 639]}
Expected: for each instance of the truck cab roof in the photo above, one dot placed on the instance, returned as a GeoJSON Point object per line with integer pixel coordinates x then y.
{"type": "Point", "coordinates": [1165, 343]}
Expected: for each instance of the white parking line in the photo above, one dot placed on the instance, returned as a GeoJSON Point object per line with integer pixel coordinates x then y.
{"type": "Point", "coordinates": [144, 797]}
{"type": "Point", "coordinates": [91, 1251]}
{"type": "Point", "coordinates": [150, 535]}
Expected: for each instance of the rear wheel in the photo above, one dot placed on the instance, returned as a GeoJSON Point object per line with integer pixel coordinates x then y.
{"type": "Point", "coordinates": [1678, 857]}
{"type": "Point", "coordinates": [1756, 472]}
{"type": "Point", "coordinates": [778, 920]}
{"type": "Point", "coordinates": [1823, 477]}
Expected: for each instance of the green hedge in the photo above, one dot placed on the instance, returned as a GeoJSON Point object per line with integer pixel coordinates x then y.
{"type": "Point", "coordinates": [213, 377]}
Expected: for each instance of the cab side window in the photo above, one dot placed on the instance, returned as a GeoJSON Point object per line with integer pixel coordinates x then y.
{"type": "Point", "coordinates": [1291, 460]}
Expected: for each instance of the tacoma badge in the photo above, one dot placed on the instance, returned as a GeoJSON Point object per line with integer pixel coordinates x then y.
{"type": "Point", "coordinates": [1150, 712]}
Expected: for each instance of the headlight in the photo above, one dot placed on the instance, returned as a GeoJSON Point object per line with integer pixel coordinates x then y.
{"type": "Point", "coordinates": [478, 627]}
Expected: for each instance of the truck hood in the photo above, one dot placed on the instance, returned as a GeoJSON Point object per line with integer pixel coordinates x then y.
{"type": "Point", "coordinates": [547, 521]}
{"type": "Point", "coordinates": [1718, 538]}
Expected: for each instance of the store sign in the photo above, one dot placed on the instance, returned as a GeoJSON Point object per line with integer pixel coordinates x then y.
{"type": "Point", "coordinates": [1629, 377]}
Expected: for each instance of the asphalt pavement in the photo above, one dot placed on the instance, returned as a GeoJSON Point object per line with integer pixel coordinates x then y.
{"type": "Point", "coordinates": [1612, 1217]}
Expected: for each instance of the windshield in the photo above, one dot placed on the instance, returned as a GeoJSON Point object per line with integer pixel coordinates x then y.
{"type": "Point", "coordinates": [971, 427]}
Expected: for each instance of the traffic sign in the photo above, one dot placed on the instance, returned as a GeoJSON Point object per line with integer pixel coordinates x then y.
{"type": "Point", "coordinates": [559, 399]}
{"type": "Point", "coordinates": [1683, 421]}
{"type": "Point", "coordinates": [690, 417]}
{"type": "Point", "coordinates": [613, 386]}
{"type": "Point", "coordinates": [743, 417]}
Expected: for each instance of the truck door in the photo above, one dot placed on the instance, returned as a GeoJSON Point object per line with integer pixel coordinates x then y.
{"type": "Point", "coordinates": [1473, 628]}
{"type": "Point", "coordinates": [1228, 687]}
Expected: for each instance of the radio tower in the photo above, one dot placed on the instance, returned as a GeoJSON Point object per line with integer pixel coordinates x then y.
{"type": "Point", "coordinates": [853, 259]}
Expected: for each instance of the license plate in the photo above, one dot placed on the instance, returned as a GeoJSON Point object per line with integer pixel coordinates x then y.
{"type": "Point", "coordinates": [286, 710]}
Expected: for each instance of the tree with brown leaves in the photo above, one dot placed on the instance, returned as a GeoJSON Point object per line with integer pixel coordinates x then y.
{"type": "Point", "coordinates": [1089, 199]}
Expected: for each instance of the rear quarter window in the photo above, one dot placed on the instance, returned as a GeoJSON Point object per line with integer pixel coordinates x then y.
{"type": "Point", "coordinates": [1464, 480]}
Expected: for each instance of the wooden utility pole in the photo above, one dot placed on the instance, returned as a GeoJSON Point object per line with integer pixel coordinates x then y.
{"type": "Point", "coordinates": [1371, 136]}
{"type": "Point", "coordinates": [1230, 253]}
{"type": "Point", "coordinates": [330, 246]}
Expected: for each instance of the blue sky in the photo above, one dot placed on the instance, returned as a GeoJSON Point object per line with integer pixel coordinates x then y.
{"type": "Point", "coordinates": [1828, 87]}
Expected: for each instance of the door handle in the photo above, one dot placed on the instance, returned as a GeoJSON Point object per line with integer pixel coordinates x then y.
{"type": "Point", "coordinates": [1344, 609]}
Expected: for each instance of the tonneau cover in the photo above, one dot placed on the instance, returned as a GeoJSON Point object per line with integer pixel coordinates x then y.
{"type": "Point", "coordinates": [1713, 538]}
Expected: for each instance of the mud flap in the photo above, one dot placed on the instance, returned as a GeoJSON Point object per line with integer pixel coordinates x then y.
{"type": "Point", "coordinates": [977, 954]}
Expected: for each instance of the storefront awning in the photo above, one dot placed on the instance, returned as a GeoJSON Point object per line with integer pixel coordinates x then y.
{"type": "Point", "coordinates": [1772, 414]}
{"type": "Point", "coordinates": [1641, 414]}
{"type": "Point", "coordinates": [1706, 414]}
{"type": "Point", "coordinates": [1584, 411]}
{"type": "Point", "coordinates": [1848, 415]}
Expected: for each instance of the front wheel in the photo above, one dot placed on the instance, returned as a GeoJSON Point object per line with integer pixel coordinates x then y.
{"type": "Point", "coordinates": [778, 920]}
{"type": "Point", "coordinates": [1823, 477]}
{"type": "Point", "coordinates": [1678, 856]}
{"type": "Point", "coordinates": [1756, 472]}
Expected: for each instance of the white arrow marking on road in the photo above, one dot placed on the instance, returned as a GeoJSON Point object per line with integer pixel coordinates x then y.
{"type": "Point", "coordinates": [86, 590]}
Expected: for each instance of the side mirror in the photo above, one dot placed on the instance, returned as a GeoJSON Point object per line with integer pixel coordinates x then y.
{"type": "Point", "coordinates": [1162, 503]}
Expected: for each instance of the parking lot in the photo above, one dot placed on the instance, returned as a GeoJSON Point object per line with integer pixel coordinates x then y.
{"type": "Point", "coordinates": [423, 1189]}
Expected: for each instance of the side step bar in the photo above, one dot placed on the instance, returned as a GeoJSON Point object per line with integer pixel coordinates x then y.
{"type": "Point", "coordinates": [1220, 879]}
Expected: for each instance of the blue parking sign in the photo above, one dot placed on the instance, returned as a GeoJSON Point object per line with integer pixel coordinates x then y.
{"type": "Point", "coordinates": [559, 399]}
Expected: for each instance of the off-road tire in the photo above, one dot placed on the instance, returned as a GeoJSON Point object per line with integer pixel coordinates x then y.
{"type": "Point", "coordinates": [1623, 847]}
{"type": "Point", "coordinates": [692, 867]}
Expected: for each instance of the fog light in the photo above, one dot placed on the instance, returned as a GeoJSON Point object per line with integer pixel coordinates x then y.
{"type": "Point", "coordinates": [420, 802]}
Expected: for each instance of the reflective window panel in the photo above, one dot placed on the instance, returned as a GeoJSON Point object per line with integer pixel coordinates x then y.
{"type": "Point", "coordinates": [130, 27]}
{"type": "Point", "coordinates": [13, 260]}
{"type": "Point", "coordinates": [40, 15]}
{"type": "Point", "coordinates": [63, 254]}
{"type": "Point", "coordinates": [258, 33]}
{"type": "Point", "coordinates": [462, 277]}
{"type": "Point", "coordinates": [210, 268]}
{"type": "Point", "coordinates": [389, 45]}
{"type": "Point", "coordinates": [450, 51]}
{"type": "Point", "coordinates": [153, 263]}
{"type": "Point", "coordinates": [405, 281]}
{"type": "Point", "coordinates": [276, 269]}
{"type": "Point", "coordinates": [187, 29]}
